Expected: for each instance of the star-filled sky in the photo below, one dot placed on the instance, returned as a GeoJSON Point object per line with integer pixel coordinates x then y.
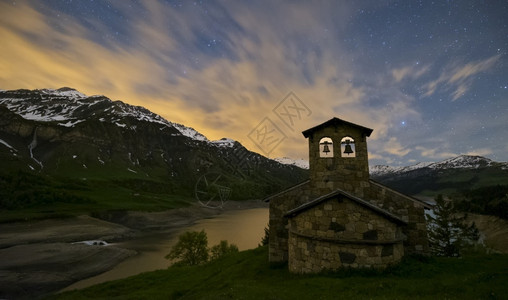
{"type": "Point", "coordinates": [430, 77]}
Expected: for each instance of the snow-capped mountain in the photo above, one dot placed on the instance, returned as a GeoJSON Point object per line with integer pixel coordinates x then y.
{"type": "Point", "coordinates": [224, 142]}
{"type": "Point", "coordinates": [380, 170]}
{"type": "Point", "coordinates": [301, 163]}
{"type": "Point", "coordinates": [454, 174]}
{"type": "Point", "coordinates": [459, 162]}
{"type": "Point", "coordinates": [70, 107]}
{"type": "Point", "coordinates": [63, 132]}
{"type": "Point", "coordinates": [464, 162]}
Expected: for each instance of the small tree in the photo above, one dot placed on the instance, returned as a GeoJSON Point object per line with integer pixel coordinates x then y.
{"type": "Point", "coordinates": [265, 240]}
{"type": "Point", "coordinates": [191, 249]}
{"type": "Point", "coordinates": [222, 249]}
{"type": "Point", "coordinates": [448, 232]}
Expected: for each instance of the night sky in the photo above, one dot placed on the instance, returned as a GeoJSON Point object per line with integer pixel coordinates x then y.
{"type": "Point", "coordinates": [430, 77]}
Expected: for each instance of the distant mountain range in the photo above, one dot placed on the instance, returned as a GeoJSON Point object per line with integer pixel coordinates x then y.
{"type": "Point", "coordinates": [67, 135]}
{"type": "Point", "coordinates": [301, 163]}
{"type": "Point", "coordinates": [459, 162]}
{"type": "Point", "coordinates": [429, 179]}
{"type": "Point", "coordinates": [446, 177]}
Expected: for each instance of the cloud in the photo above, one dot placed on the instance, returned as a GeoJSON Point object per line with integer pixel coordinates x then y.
{"type": "Point", "coordinates": [394, 147]}
{"type": "Point", "coordinates": [459, 77]}
{"type": "Point", "coordinates": [375, 156]}
{"type": "Point", "coordinates": [409, 72]}
{"type": "Point", "coordinates": [480, 152]}
{"type": "Point", "coordinates": [463, 73]}
{"type": "Point", "coordinates": [434, 153]}
{"type": "Point", "coordinates": [220, 69]}
{"type": "Point", "coordinates": [164, 67]}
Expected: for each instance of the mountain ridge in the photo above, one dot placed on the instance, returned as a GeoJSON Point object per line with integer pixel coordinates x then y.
{"type": "Point", "coordinates": [65, 134]}
{"type": "Point", "coordinates": [426, 180]}
{"type": "Point", "coordinates": [458, 162]}
{"type": "Point", "coordinates": [70, 104]}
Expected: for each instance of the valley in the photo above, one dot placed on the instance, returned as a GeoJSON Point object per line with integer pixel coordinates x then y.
{"type": "Point", "coordinates": [85, 168]}
{"type": "Point", "coordinates": [64, 154]}
{"type": "Point", "coordinates": [44, 256]}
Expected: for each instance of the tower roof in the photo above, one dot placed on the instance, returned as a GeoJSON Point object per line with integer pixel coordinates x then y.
{"type": "Point", "coordinates": [335, 122]}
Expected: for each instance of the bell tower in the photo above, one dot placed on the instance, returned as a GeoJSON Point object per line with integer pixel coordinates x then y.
{"type": "Point", "coordinates": [338, 157]}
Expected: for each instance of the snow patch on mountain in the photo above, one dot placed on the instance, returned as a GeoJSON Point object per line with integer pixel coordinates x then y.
{"type": "Point", "coordinates": [65, 92]}
{"type": "Point", "coordinates": [70, 123]}
{"type": "Point", "coordinates": [48, 105]}
{"type": "Point", "coordinates": [301, 163]}
{"type": "Point", "coordinates": [69, 107]}
{"type": "Point", "coordinates": [138, 112]}
{"type": "Point", "coordinates": [463, 161]}
{"type": "Point", "coordinates": [379, 170]}
{"type": "Point", "coordinates": [6, 144]}
{"type": "Point", "coordinates": [459, 162]}
{"type": "Point", "coordinates": [190, 132]}
{"type": "Point", "coordinates": [224, 142]}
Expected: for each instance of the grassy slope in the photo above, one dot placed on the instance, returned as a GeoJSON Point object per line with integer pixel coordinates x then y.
{"type": "Point", "coordinates": [248, 275]}
{"type": "Point", "coordinates": [68, 196]}
{"type": "Point", "coordinates": [446, 182]}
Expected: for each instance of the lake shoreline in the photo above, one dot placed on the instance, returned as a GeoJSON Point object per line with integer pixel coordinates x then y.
{"type": "Point", "coordinates": [41, 257]}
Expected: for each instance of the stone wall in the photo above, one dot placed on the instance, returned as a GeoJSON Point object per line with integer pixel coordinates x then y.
{"type": "Point", "coordinates": [350, 174]}
{"type": "Point", "coordinates": [410, 210]}
{"type": "Point", "coordinates": [341, 233]}
{"type": "Point", "coordinates": [280, 204]}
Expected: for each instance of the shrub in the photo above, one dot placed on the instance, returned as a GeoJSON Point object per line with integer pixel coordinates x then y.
{"type": "Point", "coordinates": [265, 240]}
{"type": "Point", "coordinates": [222, 249]}
{"type": "Point", "coordinates": [191, 249]}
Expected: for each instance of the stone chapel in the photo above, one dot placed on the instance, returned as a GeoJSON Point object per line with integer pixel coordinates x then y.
{"type": "Point", "coordinates": [340, 217]}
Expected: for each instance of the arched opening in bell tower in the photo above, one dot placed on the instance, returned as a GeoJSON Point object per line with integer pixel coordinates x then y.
{"type": "Point", "coordinates": [347, 147]}
{"type": "Point", "coordinates": [326, 147]}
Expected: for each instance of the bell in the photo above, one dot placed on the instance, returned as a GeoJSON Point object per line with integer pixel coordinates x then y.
{"type": "Point", "coordinates": [326, 149]}
{"type": "Point", "coordinates": [347, 149]}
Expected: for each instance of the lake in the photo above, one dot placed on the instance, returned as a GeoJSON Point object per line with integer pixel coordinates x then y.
{"type": "Point", "coordinates": [244, 228]}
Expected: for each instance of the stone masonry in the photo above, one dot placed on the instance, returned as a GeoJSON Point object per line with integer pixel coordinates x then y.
{"type": "Point", "coordinates": [340, 232]}
{"type": "Point", "coordinates": [339, 217]}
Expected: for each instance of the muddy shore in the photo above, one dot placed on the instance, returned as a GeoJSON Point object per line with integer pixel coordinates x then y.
{"type": "Point", "coordinates": [42, 257]}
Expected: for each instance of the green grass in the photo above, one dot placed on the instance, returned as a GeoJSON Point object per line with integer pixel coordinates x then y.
{"type": "Point", "coordinates": [26, 196]}
{"type": "Point", "coordinates": [433, 193]}
{"type": "Point", "coordinates": [248, 275]}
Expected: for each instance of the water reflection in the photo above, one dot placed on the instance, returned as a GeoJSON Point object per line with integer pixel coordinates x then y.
{"type": "Point", "coordinates": [245, 228]}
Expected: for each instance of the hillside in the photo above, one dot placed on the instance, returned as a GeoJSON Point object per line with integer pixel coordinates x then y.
{"type": "Point", "coordinates": [446, 177]}
{"type": "Point", "coordinates": [247, 275]}
{"type": "Point", "coordinates": [108, 155]}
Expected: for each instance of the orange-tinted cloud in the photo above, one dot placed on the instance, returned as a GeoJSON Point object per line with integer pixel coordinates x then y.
{"type": "Point", "coordinates": [218, 96]}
